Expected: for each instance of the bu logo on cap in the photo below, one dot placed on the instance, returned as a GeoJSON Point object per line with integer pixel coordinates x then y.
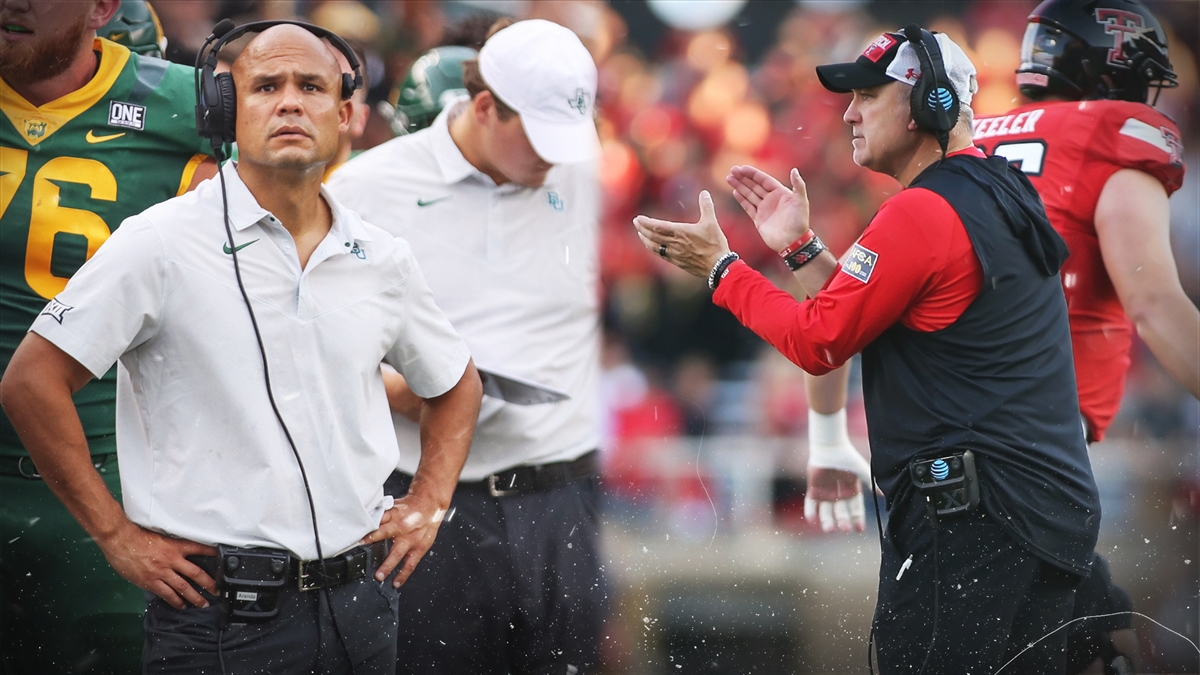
{"type": "Point", "coordinates": [879, 47]}
{"type": "Point", "coordinates": [580, 101]}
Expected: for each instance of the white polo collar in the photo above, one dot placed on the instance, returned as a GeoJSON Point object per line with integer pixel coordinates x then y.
{"type": "Point", "coordinates": [244, 209]}
{"type": "Point", "coordinates": [455, 167]}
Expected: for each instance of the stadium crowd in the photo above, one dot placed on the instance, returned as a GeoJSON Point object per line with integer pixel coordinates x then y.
{"type": "Point", "coordinates": [674, 115]}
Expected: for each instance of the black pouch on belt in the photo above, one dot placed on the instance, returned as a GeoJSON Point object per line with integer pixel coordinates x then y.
{"type": "Point", "coordinates": [948, 481]}
{"type": "Point", "coordinates": [251, 580]}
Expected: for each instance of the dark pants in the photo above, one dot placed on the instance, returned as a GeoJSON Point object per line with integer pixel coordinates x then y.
{"type": "Point", "coordinates": [512, 585]}
{"type": "Point", "coordinates": [302, 639]}
{"type": "Point", "coordinates": [63, 609]}
{"type": "Point", "coordinates": [1097, 595]}
{"type": "Point", "coordinates": [994, 599]}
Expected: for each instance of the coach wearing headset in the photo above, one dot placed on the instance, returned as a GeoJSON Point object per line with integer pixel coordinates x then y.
{"type": "Point", "coordinates": [952, 295]}
{"type": "Point", "coordinates": [228, 481]}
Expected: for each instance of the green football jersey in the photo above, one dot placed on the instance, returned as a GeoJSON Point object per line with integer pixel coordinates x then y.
{"type": "Point", "coordinates": [70, 172]}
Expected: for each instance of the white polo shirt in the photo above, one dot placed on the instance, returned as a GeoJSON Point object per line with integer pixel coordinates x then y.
{"type": "Point", "coordinates": [201, 454]}
{"type": "Point", "coordinates": [516, 271]}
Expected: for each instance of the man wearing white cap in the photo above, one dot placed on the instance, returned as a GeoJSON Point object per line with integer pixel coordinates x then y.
{"type": "Point", "coordinates": [499, 200]}
{"type": "Point", "coordinates": [952, 296]}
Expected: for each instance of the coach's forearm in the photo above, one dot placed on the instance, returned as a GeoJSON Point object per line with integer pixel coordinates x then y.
{"type": "Point", "coordinates": [36, 395]}
{"type": "Point", "coordinates": [447, 426]}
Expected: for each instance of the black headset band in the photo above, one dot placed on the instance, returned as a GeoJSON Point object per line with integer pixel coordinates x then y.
{"type": "Point", "coordinates": [216, 99]}
{"type": "Point", "coordinates": [935, 104]}
{"type": "Point", "coordinates": [929, 52]}
{"type": "Point", "coordinates": [334, 39]}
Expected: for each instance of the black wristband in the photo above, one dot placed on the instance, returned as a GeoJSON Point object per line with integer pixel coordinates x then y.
{"type": "Point", "coordinates": [806, 253]}
{"type": "Point", "coordinates": [719, 269]}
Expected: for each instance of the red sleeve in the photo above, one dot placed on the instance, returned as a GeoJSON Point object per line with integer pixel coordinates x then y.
{"type": "Point", "coordinates": [1142, 139]}
{"type": "Point", "coordinates": [910, 266]}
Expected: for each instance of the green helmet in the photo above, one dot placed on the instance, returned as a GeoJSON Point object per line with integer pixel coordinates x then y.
{"type": "Point", "coordinates": [434, 79]}
{"type": "Point", "coordinates": [136, 26]}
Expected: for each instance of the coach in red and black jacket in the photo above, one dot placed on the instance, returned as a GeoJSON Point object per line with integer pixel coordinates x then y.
{"type": "Point", "coordinates": [953, 297]}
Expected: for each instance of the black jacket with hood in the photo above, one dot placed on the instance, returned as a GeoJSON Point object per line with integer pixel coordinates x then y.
{"type": "Point", "coordinates": [999, 381]}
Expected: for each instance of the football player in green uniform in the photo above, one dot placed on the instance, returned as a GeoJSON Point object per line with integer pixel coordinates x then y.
{"type": "Point", "coordinates": [90, 134]}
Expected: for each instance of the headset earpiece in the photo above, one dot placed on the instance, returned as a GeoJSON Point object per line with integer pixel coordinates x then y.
{"type": "Point", "coordinates": [934, 103]}
{"type": "Point", "coordinates": [227, 103]}
{"type": "Point", "coordinates": [216, 98]}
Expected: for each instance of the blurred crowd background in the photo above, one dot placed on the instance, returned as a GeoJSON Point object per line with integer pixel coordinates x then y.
{"type": "Point", "coordinates": [704, 424]}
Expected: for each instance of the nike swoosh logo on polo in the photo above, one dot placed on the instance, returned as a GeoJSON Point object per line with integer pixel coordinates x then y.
{"type": "Point", "coordinates": [425, 202]}
{"type": "Point", "coordinates": [93, 138]}
{"type": "Point", "coordinates": [229, 251]}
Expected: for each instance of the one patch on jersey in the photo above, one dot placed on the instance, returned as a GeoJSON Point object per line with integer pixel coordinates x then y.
{"type": "Point", "coordinates": [55, 310]}
{"type": "Point", "coordinates": [860, 263]}
{"type": "Point", "coordinates": [555, 201]}
{"type": "Point", "coordinates": [128, 115]}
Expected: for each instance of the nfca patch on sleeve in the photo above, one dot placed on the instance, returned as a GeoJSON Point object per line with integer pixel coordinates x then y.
{"type": "Point", "coordinates": [860, 263]}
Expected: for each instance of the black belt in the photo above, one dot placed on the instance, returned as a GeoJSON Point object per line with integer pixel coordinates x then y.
{"type": "Point", "coordinates": [306, 575]}
{"type": "Point", "coordinates": [537, 477]}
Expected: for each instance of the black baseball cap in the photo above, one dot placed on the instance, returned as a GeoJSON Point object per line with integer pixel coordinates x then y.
{"type": "Point", "coordinates": [868, 70]}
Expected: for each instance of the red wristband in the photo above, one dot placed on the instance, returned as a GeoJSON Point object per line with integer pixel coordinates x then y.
{"type": "Point", "coordinates": [798, 244]}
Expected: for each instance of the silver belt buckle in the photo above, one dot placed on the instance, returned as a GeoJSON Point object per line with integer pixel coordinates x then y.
{"type": "Point", "coordinates": [496, 491]}
{"type": "Point", "coordinates": [302, 576]}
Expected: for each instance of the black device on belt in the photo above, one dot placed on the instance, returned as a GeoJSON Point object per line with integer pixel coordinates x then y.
{"type": "Point", "coordinates": [948, 481]}
{"type": "Point", "coordinates": [537, 477]}
{"type": "Point", "coordinates": [250, 579]}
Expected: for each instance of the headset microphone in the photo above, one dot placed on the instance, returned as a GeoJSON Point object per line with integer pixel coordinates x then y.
{"type": "Point", "coordinates": [222, 27]}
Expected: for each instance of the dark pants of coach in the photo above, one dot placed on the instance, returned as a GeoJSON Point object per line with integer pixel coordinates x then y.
{"type": "Point", "coordinates": [303, 638]}
{"type": "Point", "coordinates": [512, 585]}
{"type": "Point", "coordinates": [994, 599]}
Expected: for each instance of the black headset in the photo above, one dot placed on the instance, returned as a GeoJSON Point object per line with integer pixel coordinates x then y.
{"type": "Point", "coordinates": [216, 98]}
{"type": "Point", "coordinates": [934, 103]}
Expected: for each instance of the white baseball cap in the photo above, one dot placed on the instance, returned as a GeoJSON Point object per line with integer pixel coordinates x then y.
{"type": "Point", "coordinates": [541, 70]}
{"type": "Point", "coordinates": [892, 57]}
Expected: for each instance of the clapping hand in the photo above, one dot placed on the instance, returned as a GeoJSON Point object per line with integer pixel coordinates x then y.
{"type": "Point", "coordinates": [779, 213]}
{"type": "Point", "coordinates": [692, 247]}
